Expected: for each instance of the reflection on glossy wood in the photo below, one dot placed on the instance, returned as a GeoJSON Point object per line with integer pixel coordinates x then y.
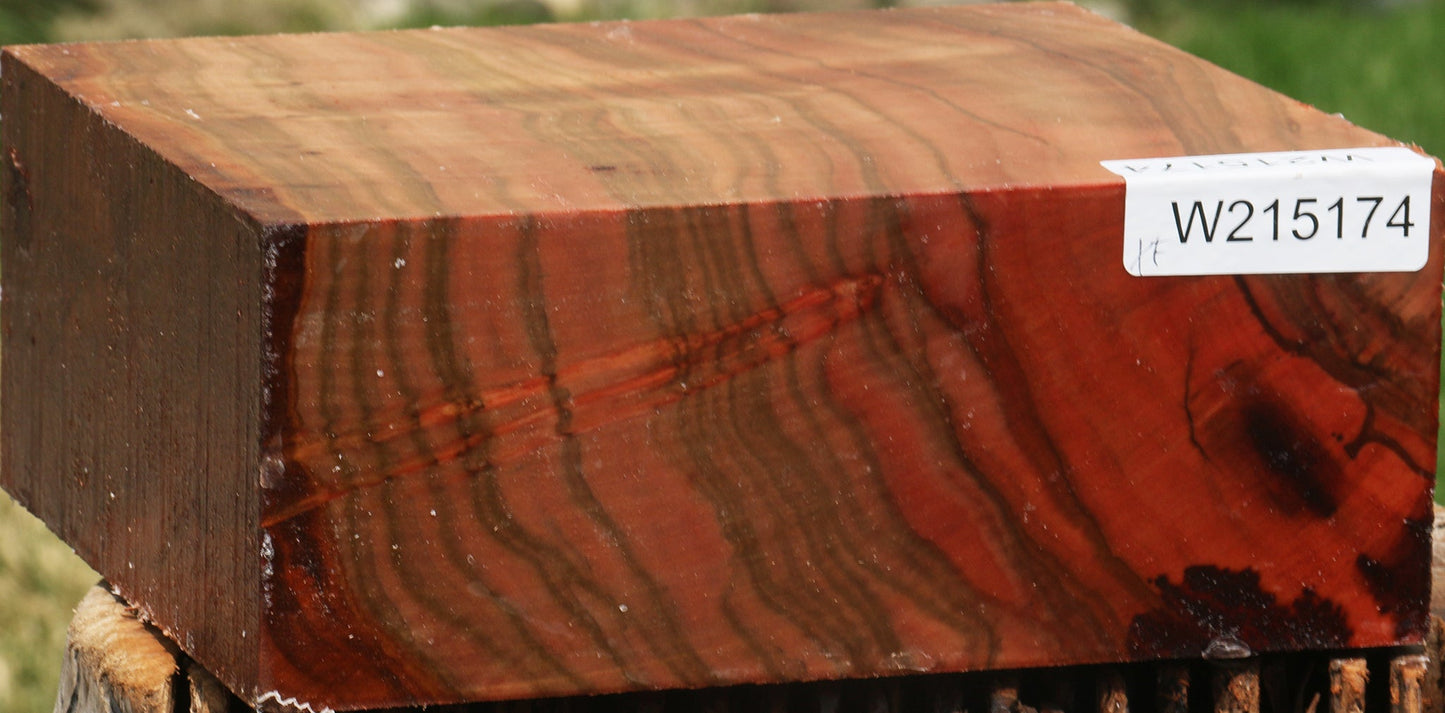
{"type": "Point", "coordinates": [507, 363]}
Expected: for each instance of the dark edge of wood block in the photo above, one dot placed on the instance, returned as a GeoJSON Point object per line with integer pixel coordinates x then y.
{"type": "Point", "coordinates": [162, 316]}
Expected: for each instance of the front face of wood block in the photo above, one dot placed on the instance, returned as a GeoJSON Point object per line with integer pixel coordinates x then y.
{"type": "Point", "coordinates": [888, 448]}
{"type": "Point", "coordinates": [681, 354]}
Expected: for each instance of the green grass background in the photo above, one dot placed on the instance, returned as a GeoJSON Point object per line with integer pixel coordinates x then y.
{"type": "Point", "coordinates": [1380, 64]}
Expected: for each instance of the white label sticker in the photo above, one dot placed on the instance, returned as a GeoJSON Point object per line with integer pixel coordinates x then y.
{"type": "Point", "coordinates": [1338, 210]}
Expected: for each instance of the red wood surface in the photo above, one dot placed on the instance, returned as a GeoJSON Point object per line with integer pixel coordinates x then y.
{"type": "Point", "coordinates": [588, 358]}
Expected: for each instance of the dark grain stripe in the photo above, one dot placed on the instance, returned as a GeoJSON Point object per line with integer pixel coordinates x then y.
{"type": "Point", "coordinates": [529, 657]}
{"type": "Point", "coordinates": [671, 643]}
{"type": "Point", "coordinates": [359, 367]}
{"type": "Point", "coordinates": [486, 505]}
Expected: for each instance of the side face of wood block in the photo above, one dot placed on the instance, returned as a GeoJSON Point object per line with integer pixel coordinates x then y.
{"type": "Point", "coordinates": [132, 371]}
{"type": "Point", "coordinates": [579, 359]}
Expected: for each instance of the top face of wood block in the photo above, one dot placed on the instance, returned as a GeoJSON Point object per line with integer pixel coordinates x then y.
{"type": "Point", "coordinates": [499, 363]}
{"type": "Point", "coordinates": [568, 118]}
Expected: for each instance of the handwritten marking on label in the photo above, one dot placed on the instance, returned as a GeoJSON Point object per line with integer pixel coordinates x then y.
{"type": "Point", "coordinates": [1338, 210]}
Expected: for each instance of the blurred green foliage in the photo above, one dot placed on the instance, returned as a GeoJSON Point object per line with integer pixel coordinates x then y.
{"type": "Point", "coordinates": [426, 13]}
{"type": "Point", "coordinates": [23, 21]}
{"type": "Point", "coordinates": [1379, 64]}
{"type": "Point", "coordinates": [41, 581]}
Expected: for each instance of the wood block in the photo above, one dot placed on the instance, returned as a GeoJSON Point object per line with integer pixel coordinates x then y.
{"type": "Point", "coordinates": [429, 366]}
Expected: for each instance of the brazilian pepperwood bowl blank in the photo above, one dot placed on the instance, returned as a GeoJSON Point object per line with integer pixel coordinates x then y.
{"type": "Point", "coordinates": [481, 364]}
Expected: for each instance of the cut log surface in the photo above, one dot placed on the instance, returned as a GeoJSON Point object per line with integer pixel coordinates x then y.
{"type": "Point", "coordinates": [1347, 685]}
{"type": "Point", "coordinates": [432, 366]}
{"type": "Point", "coordinates": [114, 663]}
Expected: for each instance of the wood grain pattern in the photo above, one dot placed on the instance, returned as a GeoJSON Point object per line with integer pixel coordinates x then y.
{"type": "Point", "coordinates": [654, 355]}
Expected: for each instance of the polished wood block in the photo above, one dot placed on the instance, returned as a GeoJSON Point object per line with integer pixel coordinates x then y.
{"type": "Point", "coordinates": [430, 366]}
